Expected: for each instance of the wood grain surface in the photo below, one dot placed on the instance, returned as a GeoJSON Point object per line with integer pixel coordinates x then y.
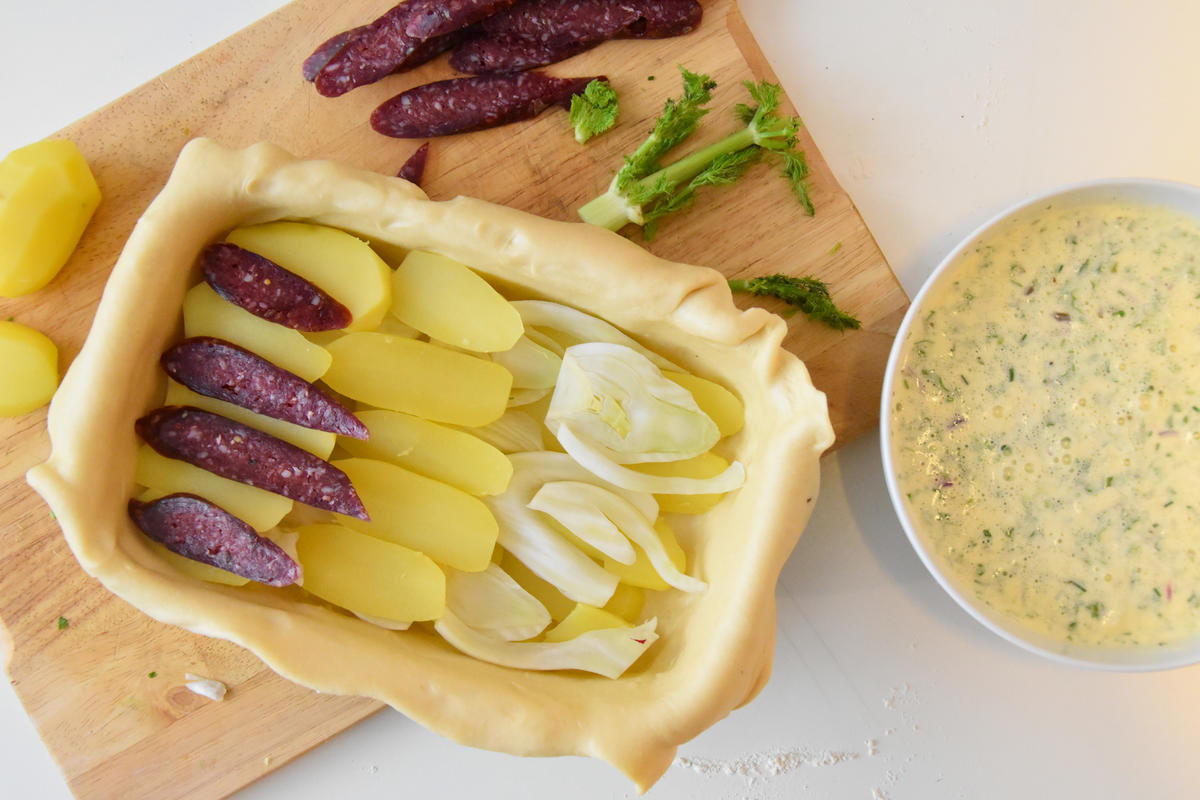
{"type": "Point", "coordinates": [106, 691]}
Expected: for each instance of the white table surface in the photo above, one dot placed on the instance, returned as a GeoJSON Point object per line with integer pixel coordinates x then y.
{"type": "Point", "coordinates": [934, 114]}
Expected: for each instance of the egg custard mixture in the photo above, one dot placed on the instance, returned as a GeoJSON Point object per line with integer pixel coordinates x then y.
{"type": "Point", "coordinates": [1046, 423]}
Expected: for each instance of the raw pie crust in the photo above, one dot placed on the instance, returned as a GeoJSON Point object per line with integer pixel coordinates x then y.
{"type": "Point", "coordinates": [716, 647]}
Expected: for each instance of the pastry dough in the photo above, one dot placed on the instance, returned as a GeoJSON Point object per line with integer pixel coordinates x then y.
{"type": "Point", "coordinates": [716, 647]}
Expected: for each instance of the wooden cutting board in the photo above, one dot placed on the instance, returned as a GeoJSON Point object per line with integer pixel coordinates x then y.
{"type": "Point", "coordinates": [106, 691]}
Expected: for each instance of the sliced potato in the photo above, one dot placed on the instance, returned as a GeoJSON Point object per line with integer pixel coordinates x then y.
{"type": "Point", "coordinates": [369, 576]}
{"type": "Point", "coordinates": [449, 302]}
{"type": "Point", "coordinates": [445, 454]}
{"type": "Point", "coordinates": [705, 465]}
{"type": "Point", "coordinates": [418, 378]}
{"type": "Point", "coordinates": [582, 619]}
{"type": "Point", "coordinates": [714, 399]}
{"type": "Point", "coordinates": [641, 572]}
{"type": "Point", "coordinates": [447, 524]}
{"type": "Point", "coordinates": [28, 369]}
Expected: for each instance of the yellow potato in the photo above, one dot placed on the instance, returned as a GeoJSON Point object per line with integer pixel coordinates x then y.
{"type": "Point", "coordinates": [714, 399]}
{"type": "Point", "coordinates": [627, 602]}
{"type": "Point", "coordinates": [260, 509]}
{"type": "Point", "coordinates": [640, 572]}
{"type": "Point", "coordinates": [582, 619]}
{"type": "Point", "coordinates": [344, 266]}
{"type": "Point", "coordinates": [705, 465]}
{"type": "Point", "coordinates": [205, 313]}
{"type": "Point", "coordinates": [418, 378]}
{"type": "Point", "coordinates": [447, 524]}
{"type": "Point", "coordinates": [47, 197]}
{"type": "Point", "coordinates": [369, 576]}
{"type": "Point", "coordinates": [435, 451]}
{"type": "Point", "coordinates": [28, 369]}
{"type": "Point", "coordinates": [319, 443]}
{"type": "Point", "coordinates": [448, 301]}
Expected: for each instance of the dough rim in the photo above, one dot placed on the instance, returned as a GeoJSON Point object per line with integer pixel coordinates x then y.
{"type": "Point", "coordinates": [717, 647]}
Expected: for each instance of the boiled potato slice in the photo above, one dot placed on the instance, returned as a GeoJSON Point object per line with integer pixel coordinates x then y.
{"type": "Point", "coordinates": [705, 465]}
{"type": "Point", "coordinates": [627, 602]}
{"type": "Point", "coordinates": [205, 313]}
{"type": "Point", "coordinates": [28, 369]}
{"type": "Point", "coordinates": [418, 378]}
{"type": "Point", "coordinates": [714, 399]}
{"type": "Point", "coordinates": [641, 572]}
{"type": "Point", "coordinates": [369, 576]}
{"type": "Point", "coordinates": [582, 619]}
{"type": "Point", "coordinates": [344, 266]}
{"type": "Point", "coordinates": [445, 454]}
{"type": "Point", "coordinates": [447, 524]}
{"type": "Point", "coordinates": [448, 301]}
{"type": "Point", "coordinates": [261, 510]}
{"type": "Point", "coordinates": [319, 443]}
{"type": "Point", "coordinates": [47, 197]}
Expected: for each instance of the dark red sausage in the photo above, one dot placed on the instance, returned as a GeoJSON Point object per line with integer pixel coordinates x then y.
{"type": "Point", "coordinates": [327, 50]}
{"type": "Point", "coordinates": [216, 368]}
{"type": "Point", "coordinates": [536, 33]}
{"type": "Point", "coordinates": [487, 55]}
{"type": "Point", "coordinates": [267, 290]}
{"type": "Point", "coordinates": [376, 51]}
{"type": "Point", "coordinates": [662, 19]}
{"type": "Point", "coordinates": [429, 18]}
{"type": "Point", "coordinates": [557, 22]}
{"type": "Point", "coordinates": [196, 529]}
{"type": "Point", "coordinates": [243, 454]}
{"type": "Point", "coordinates": [414, 169]}
{"type": "Point", "coordinates": [468, 104]}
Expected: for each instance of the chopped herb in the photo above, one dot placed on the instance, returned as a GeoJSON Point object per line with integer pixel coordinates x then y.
{"type": "Point", "coordinates": [63, 623]}
{"type": "Point", "coordinates": [808, 294]}
{"type": "Point", "coordinates": [1094, 608]}
{"type": "Point", "coordinates": [1010, 374]}
{"type": "Point", "coordinates": [649, 77]}
{"type": "Point", "coordinates": [1078, 585]}
{"type": "Point", "coordinates": [835, 248]}
{"type": "Point", "coordinates": [152, 675]}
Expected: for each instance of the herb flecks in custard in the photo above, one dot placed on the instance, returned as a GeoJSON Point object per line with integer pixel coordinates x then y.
{"type": "Point", "coordinates": [1051, 394]}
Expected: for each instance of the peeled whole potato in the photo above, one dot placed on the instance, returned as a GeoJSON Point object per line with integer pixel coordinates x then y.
{"type": "Point", "coordinates": [47, 197]}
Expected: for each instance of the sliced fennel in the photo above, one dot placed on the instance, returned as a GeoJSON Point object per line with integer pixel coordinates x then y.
{"type": "Point", "coordinates": [577, 507]}
{"type": "Point", "coordinates": [532, 364]}
{"type": "Point", "coordinates": [622, 403]}
{"type": "Point", "coordinates": [608, 652]}
{"type": "Point", "coordinates": [532, 538]}
{"type": "Point", "coordinates": [600, 466]}
{"type": "Point", "coordinates": [492, 602]}
{"type": "Point", "coordinates": [514, 432]}
{"type": "Point", "coordinates": [580, 326]}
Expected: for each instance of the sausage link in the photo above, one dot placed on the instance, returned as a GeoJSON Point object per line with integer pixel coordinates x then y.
{"type": "Point", "coordinates": [468, 104]}
{"type": "Point", "coordinates": [267, 290]}
{"type": "Point", "coordinates": [220, 369]}
{"type": "Point", "coordinates": [197, 529]}
{"type": "Point", "coordinates": [243, 454]}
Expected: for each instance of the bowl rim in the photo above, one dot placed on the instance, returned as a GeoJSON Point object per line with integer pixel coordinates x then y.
{"type": "Point", "coordinates": [1157, 192]}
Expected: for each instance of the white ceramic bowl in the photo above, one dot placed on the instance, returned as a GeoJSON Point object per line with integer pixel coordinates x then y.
{"type": "Point", "coordinates": [1175, 196]}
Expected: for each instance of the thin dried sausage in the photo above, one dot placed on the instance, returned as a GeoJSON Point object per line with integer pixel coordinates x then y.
{"type": "Point", "coordinates": [216, 368]}
{"type": "Point", "coordinates": [467, 104]}
{"type": "Point", "coordinates": [243, 454]}
{"type": "Point", "coordinates": [414, 168]}
{"type": "Point", "coordinates": [429, 18]}
{"type": "Point", "coordinates": [197, 529]}
{"type": "Point", "coordinates": [267, 290]}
